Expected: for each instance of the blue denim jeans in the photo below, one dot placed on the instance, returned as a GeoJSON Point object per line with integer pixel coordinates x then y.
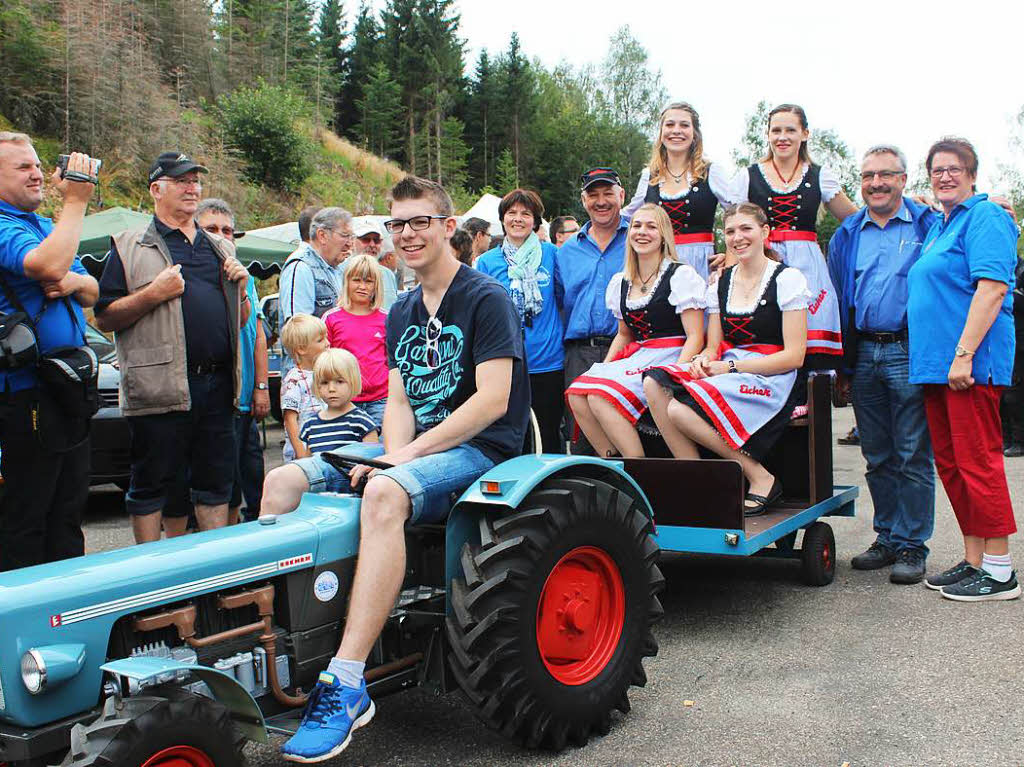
{"type": "Point", "coordinates": [375, 409]}
{"type": "Point", "coordinates": [895, 443]}
{"type": "Point", "coordinates": [429, 481]}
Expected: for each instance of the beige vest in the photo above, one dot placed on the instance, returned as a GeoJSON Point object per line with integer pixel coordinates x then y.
{"type": "Point", "coordinates": [151, 353]}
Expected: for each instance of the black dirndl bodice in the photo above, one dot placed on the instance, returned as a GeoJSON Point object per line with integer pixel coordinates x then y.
{"type": "Point", "coordinates": [658, 319]}
{"type": "Point", "coordinates": [787, 211]}
{"type": "Point", "coordinates": [763, 325]}
{"type": "Point", "coordinates": [692, 214]}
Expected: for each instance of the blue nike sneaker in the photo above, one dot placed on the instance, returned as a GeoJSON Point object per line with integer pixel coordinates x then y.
{"type": "Point", "coordinates": [331, 714]}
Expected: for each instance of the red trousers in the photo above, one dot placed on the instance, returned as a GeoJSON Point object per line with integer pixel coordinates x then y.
{"type": "Point", "coordinates": [967, 438]}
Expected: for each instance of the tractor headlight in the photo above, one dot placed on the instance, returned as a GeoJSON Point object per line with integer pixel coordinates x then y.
{"type": "Point", "coordinates": [48, 666]}
{"type": "Point", "coordinates": [33, 672]}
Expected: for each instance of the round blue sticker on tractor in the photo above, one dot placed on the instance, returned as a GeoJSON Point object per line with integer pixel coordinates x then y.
{"type": "Point", "coordinates": [325, 587]}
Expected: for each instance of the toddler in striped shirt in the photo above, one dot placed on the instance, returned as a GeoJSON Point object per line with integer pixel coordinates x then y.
{"type": "Point", "coordinates": [337, 380]}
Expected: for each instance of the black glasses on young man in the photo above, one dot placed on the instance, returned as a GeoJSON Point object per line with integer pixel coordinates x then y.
{"type": "Point", "coordinates": [416, 223]}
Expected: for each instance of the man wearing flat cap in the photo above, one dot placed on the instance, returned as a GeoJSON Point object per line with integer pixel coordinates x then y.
{"type": "Point", "coordinates": [175, 298]}
{"type": "Point", "coordinates": [584, 266]}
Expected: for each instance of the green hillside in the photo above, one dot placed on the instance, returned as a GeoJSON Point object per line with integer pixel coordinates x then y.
{"type": "Point", "coordinates": [342, 174]}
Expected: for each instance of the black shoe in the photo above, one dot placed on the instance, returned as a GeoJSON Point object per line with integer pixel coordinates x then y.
{"type": "Point", "coordinates": [955, 574]}
{"type": "Point", "coordinates": [852, 438]}
{"type": "Point", "coordinates": [982, 587]}
{"type": "Point", "coordinates": [1016, 450]}
{"type": "Point", "coordinates": [909, 567]}
{"type": "Point", "coordinates": [762, 502]}
{"type": "Point", "coordinates": [875, 557]}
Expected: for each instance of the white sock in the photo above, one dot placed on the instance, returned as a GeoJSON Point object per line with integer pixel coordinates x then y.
{"type": "Point", "coordinates": [998, 566]}
{"type": "Point", "coordinates": [349, 672]}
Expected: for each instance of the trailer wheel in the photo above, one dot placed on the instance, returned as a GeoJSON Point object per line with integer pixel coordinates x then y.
{"type": "Point", "coordinates": [818, 554]}
{"type": "Point", "coordinates": [552, 617]}
{"type": "Point", "coordinates": [171, 728]}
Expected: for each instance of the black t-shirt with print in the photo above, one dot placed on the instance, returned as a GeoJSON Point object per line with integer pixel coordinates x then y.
{"type": "Point", "coordinates": [479, 323]}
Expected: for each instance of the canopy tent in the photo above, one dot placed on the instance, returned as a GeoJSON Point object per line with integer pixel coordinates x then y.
{"type": "Point", "coordinates": [487, 209]}
{"type": "Point", "coordinates": [287, 233]}
{"type": "Point", "coordinates": [261, 256]}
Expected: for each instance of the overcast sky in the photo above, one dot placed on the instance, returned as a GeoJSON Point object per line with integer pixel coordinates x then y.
{"type": "Point", "coordinates": [893, 71]}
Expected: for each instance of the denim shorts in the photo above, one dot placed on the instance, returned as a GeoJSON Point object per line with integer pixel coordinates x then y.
{"type": "Point", "coordinates": [429, 482]}
{"type": "Point", "coordinates": [375, 409]}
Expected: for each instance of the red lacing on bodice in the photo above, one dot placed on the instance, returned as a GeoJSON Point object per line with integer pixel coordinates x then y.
{"type": "Point", "coordinates": [676, 210]}
{"type": "Point", "coordinates": [784, 210]}
{"type": "Point", "coordinates": [639, 324]}
{"type": "Point", "coordinates": [736, 329]}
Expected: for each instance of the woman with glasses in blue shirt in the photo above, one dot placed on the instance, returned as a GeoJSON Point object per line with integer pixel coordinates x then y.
{"type": "Point", "coordinates": [960, 320]}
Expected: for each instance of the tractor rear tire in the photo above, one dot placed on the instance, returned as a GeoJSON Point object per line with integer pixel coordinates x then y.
{"type": "Point", "coordinates": [552, 617]}
{"type": "Point", "coordinates": [168, 727]}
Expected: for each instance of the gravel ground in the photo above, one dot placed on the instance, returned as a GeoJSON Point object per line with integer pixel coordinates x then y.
{"type": "Point", "coordinates": [859, 673]}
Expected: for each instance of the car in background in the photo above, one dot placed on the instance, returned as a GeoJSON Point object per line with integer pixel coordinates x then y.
{"type": "Point", "coordinates": [111, 438]}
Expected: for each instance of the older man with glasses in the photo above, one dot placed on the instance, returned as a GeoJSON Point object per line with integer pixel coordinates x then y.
{"type": "Point", "coordinates": [174, 296]}
{"type": "Point", "coordinates": [869, 257]}
{"type": "Point", "coordinates": [310, 279]}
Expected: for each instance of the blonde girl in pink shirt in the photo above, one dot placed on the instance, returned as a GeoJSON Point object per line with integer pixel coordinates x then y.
{"type": "Point", "coordinates": [357, 325]}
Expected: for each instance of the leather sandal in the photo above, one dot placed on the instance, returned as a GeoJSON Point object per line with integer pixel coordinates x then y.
{"type": "Point", "coordinates": [762, 502]}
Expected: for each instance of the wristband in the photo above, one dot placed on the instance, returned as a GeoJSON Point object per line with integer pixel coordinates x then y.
{"type": "Point", "coordinates": [732, 366]}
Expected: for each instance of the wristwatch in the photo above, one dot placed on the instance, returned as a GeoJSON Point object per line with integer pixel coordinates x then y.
{"type": "Point", "coordinates": [960, 351]}
{"type": "Point", "coordinates": [262, 386]}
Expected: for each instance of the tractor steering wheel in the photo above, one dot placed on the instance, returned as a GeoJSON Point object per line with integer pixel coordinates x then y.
{"type": "Point", "coordinates": [344, 463]}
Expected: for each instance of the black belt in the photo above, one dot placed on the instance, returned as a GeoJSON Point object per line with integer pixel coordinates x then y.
{"type": "Point", "coordinates": [592, 341]}
{"type": "Point", "coordinates": [208, 367]}
{"type": "Point", "coordinates": [883, 337]}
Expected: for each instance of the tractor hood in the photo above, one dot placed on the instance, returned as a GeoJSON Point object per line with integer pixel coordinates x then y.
{"type": "Point", "coordinates": [78, 600]}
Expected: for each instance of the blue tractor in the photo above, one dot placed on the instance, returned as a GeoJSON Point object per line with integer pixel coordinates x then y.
{"type": "Point", "coordinates": [537, 599]}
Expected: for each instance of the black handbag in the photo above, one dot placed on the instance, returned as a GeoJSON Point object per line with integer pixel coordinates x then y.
{"type": "Point", "coordinates": [19, 347]}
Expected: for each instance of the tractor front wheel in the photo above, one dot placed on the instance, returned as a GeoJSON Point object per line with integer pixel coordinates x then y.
{"type": "Point", "coordinates": [170, 728]}
{"type": "Point", "coordinates": [552, 618]}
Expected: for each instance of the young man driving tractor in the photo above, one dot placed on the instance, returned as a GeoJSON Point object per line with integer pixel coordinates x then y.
{"type": "Point", "coordinates": [458, 403]}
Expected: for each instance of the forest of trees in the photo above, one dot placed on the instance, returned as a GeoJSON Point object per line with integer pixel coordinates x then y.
{"type": "Point", "coordinates": [123, 79]}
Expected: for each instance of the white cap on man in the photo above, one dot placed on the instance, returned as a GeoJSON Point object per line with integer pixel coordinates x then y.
{"type": "Point", "coordinates": [365, 225]}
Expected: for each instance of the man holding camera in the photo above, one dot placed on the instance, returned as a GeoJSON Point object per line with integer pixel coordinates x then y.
{"type": "Point", "coordinates": [45, 455]}
{"type": "Point", "coordinates": [175, 297]}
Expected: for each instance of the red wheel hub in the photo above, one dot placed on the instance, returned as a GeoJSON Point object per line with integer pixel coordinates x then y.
{"type": "Point", "coordinates": [179, 756]}
{"type": "Point", "coordinates": [580, 615]}
{"type": "Point", "coordinates": [826, 556]}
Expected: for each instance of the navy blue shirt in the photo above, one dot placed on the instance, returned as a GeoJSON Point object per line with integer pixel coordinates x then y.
{"type": "Point", "coordinates": [478, 323]}
{"type": "Point", "coordinates": [21, 233]}
{"type": "Point", "coordinates": [582, 274]}
{"type": "Point", "coordinates": [322, 435]}
{"type": "Point", "coordinates": [884, 257]}
{"type": "Point", "coordinates": [207, 326]}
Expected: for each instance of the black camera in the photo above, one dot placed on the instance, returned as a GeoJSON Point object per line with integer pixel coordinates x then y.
{"type": "Point", "coordinates": [62, 165]}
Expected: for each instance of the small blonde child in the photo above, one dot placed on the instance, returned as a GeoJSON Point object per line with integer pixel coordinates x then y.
{"type": "Point", "coordinates": [304, 337]}
{"type": "Point", "coordinates": [337, 380]}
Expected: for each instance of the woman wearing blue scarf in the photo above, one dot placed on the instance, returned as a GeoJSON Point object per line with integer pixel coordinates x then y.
{"type": "Point", "coordinates": [526, 267]}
